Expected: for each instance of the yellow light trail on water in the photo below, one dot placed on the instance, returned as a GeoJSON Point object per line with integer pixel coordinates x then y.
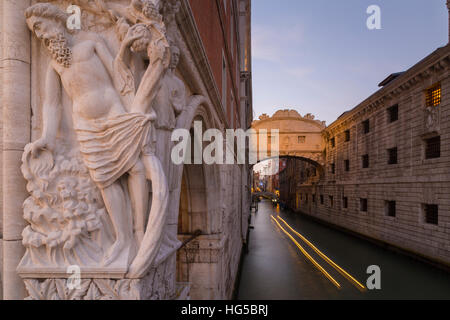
{"type": "Point", "coordinates": [355, 282]}
{"type": "Point", "coordinates": [306, 254]}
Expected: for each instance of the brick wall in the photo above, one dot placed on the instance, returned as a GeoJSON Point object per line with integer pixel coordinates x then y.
{"type": "Point", "coordinates": [214, 24]}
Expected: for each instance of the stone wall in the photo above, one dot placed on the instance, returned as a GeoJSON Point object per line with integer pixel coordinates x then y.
{"type": "Point", "coordinates": [1, 150]}
{"type": "Point", "coordinates": [412, 183]}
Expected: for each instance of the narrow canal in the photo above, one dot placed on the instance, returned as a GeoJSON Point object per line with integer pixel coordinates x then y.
{"type": "Point", "coordinates": [276, 269]}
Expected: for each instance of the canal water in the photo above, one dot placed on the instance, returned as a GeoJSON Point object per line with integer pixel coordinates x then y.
{"type": "Point", "coordinates": [275, 268]}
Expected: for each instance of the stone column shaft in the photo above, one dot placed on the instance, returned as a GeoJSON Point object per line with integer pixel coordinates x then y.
{"type": "Point", "coordinates": [16, 109]}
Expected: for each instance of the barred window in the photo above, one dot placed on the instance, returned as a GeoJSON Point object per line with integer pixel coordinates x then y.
{"type": "Point", "coordinates": [347, 135]}
{"type": "Point", "coordinates": [331, 201]}
{"type": "Point", "coordinates": [433, 96]}
{"type": "Point", "coordinates": [431, 214]}
{"type": "Point", "coordinates": [363, 205]}
{"type": "Point", "coordinates": [314, 198]}
{"type": "Point", "coordinates": [333, 142]}
{"type": "Point", "coordinates": [366, 126]}
{"type": "Point", "coordinates": [347, 165]}
{"type": "Point", "coordinates": [333, 168]}
{"type": "Point", "coordinates": [345, 202]}
{"type": "Point", "coordinates": [391, 208]}
{"type": "Point", "coordinates": [393, 113]}
{"type": "Point", "coordinates": [321, 199]}
{"type": "Point", "coordinates": [365, 161]}
{"type": "Point", "coordinates": [433, 148]}
{"type": "Point", "coordinates": [392, 154]}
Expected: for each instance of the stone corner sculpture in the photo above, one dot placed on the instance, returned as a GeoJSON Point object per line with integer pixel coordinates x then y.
{"type": "Point", "coordinates": [88, 173]}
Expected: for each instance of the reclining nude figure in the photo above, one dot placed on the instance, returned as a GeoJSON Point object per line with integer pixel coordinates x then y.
{"type": "Point", "coordinates": [113, 141]}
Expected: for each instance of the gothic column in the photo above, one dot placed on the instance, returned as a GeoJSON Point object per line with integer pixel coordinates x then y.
{"type": "Point", "coordinates": [16, 109]}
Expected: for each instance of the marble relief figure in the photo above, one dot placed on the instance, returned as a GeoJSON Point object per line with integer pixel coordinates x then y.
{"type": "Point", "coordinates": [109, 104]}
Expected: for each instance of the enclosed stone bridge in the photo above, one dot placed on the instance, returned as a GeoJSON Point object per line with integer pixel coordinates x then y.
{"type": "Point", "coordinates": [299, 136]}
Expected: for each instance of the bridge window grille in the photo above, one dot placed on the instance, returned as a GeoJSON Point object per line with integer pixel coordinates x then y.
{"type": "Point", "coordinates": [391, 208]}
{"type": "Point", "coordinates": [365, 161]}
{"type": "Point", "coordinates": [431, 214]}
{"type": "Point", "coordinates": [301, 139]}
{"type": "Point", "coordinates": [347, 165]}
{"type": "Point", "coordinates": [392, 153]}
{"type": "Point", "coordinates": [363, 205]}
{"type": "Point", "coordinates": [347, 135]}
{"type": "Point", "coordinates": [345, 203]}
{"type": "Point", "coordinates": [433, 148]}
{"type": "Point", "coordinates": [433, 96]}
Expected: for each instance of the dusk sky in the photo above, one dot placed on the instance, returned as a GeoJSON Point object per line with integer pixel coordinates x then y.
{"type": "Point", "coordinates": [319, 57]}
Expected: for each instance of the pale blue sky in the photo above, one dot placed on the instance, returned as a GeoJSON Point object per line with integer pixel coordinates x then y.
{"type": "Point", "coordinates": [317, 56]}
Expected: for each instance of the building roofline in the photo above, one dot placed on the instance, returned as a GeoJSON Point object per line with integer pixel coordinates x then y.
{"type": "Point", "coordinates": [406, 79]}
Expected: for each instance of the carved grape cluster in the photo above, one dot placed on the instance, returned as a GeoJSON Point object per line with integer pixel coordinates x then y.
{"type": "Point", "coordinates": [60, 51]}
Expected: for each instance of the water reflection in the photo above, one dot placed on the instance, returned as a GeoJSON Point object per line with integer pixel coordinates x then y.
{"type": "Point", "coordinates": [275, 268]}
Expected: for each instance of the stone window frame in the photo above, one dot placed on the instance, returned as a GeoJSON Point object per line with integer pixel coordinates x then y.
{"type": "Point", "coordinates": [301, 139]}
{"type": "Point", "coordinates": [366, 128]}
{"type": "Point", "coordinates": [365, 161]}
{"type": "Point", "coordinates": [347, 166]}
{"type": "Point", "coordinates": [363, 205]}
{"type": "Point", "coordinates": [423, 216]}
{"type": "Point", "coordinates": [393, 113]}
{"type": "Point", "coordinates": [387, 209]}
{"type": "Point", "coordinates": [345, 203]}
{"type": "Point", "coordinates": [333, 142]}
{"type": "Point", "coordinates": [425, 142]}
{"type": "Point", "coordinates": [429, 95]}
{"type": "Point", "coordinates": [391, 159]}
{"type": "Point", "coordinates": [347, 135]}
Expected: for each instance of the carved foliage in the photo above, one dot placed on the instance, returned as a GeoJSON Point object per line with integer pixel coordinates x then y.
{"type": "Point", "coordinates": [65, 211]}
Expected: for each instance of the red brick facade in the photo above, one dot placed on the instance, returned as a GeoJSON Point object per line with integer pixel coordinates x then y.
{"type": "Point", "coordinates": [218, 25]}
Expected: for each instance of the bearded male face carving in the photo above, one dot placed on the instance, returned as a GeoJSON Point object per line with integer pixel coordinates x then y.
{"type": "Point", "coordinates": [47, 23]}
